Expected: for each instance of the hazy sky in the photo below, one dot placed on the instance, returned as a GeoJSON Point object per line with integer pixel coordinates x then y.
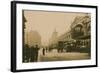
{"type": "Point", "coordinates": [46, 22]}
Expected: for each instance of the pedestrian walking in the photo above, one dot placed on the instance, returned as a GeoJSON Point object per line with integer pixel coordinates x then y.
{"type": "Point", "coordinates": [32, 54]}
{"type": "Point", "coordinates": [43, 51]}
{"type": "Point", "coordinates": [26, 53]}
{"type": "Point", "coordinates": [36, 52]}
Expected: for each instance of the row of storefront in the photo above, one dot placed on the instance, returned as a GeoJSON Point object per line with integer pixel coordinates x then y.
{"type": "Point", "coordinates": [78, 37]}
{"type": "Point", "coordinates": [80, 31]}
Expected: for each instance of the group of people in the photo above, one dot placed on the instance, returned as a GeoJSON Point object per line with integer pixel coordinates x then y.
{"type": "Point", "coordinates": [30, 54]}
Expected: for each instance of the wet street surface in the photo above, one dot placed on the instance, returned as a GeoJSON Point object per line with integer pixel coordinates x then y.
{"type": "Point", "coordinates": [64, 56]}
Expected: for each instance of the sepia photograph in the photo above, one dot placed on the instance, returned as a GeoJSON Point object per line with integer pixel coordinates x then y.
{"type": "Point", "coordinates": [56, 36]}
{"type": "Point", "coordinates": [48, 36]}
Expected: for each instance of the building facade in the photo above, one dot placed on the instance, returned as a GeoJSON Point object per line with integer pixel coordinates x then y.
{"type": "Point", "coordinates": [81, 30]}
{"type": "Point", "coordinates": [33, 38]}
{"type": "Point", "coordinates": [54, 39]}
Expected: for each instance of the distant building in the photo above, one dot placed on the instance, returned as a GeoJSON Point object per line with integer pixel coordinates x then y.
{"type": "Point", "coordinates": [33, 38]}
{"type": "Point", "coordinates": [54, 39]}
{"type": "Point", "coordinates": [65, 37]}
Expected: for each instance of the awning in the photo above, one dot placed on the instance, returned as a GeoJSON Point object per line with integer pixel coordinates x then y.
{"type": "Point", "coordinates": [84, 37]}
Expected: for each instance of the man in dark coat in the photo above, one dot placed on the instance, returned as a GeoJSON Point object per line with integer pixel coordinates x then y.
{"type": "Point", "coordinates": [43, 51]}
{"type": "Point", "coordinates": [32, 54]}
{"type": "Point", "coordinates": [26, 53]}
{"type": "Point", "coordinates": [36, 52]}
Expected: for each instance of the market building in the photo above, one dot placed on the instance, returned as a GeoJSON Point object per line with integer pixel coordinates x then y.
{"type": "Point", "coordinates": [81, 31]}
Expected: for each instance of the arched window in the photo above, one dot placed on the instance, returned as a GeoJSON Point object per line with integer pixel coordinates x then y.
{"type": "Point", "coordinates": [78, 28]}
